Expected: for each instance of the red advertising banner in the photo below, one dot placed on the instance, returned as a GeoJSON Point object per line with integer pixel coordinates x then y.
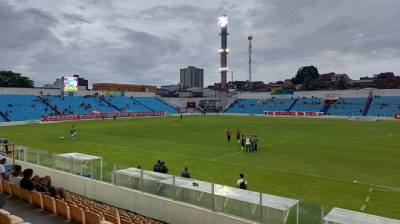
{"type": "Point", "coordinates": [292, 114]}
{"type": "Point", "coordinates": [396, 116]}
{"type": "Point", "coordinates": [72, 117]}
{"type": "Point", "coordinates": [96, 111]}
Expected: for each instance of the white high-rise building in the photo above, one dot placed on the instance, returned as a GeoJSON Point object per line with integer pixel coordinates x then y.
{"type": "Point", "coordinates": [192, 77]}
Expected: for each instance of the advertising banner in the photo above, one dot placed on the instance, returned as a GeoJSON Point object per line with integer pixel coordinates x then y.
{"type": "Point", "coordinates": [396, 116]}
{"type": "Point", "coordinates": [32, 122]}
{"type": "Point", "coordinates": [292, 114]}
{"type": "Point", "coordinates": [70, 84]}
{"type": "Point", "coordinates": [114, 93]}
{"type": "Point", "coordinates": [96, 112]}
{"type": "Point", "coordinates": [72, 117]}
{"type": "Point", "coordinates": [358, 118]}
{"type": "Point", "coordinates": [282, 91]}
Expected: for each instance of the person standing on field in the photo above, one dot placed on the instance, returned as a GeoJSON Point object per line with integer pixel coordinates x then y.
{"type": "Point", "coordinates": [255, 143]}
{"type": "Point", "coordinates": [243, 142]}
{"type": "Point", "coordinates": [229, 135]}
{"type": "Point", "coordinates": [252, 143]}
{"type": "Point", "coordinates": [238, 136]}
{"type": "Point", "coordinates": [248, 144]}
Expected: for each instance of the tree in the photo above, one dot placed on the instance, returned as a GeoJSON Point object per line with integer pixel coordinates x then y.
{"type": "Point", "coordinates": [280, 82]}
{"type": "Point", "coordinates": [303, 72]}
{"type": "Point", "coordinates": [341, 84]}
{"type": "Point", "coordinates": [211, 87]}
{"type": "Point", "coordinates": [308, 83]}
{"type": "Point", "coordinates": [318, 84]}
{"type": "Point", "coordinates": [377, 84]}
{"type": "Point", "coordinates": [11, 79]}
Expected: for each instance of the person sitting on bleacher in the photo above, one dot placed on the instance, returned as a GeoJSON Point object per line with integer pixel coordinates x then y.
{"type": "Point", "coordinates": [41, 185]}
{"type": "Point", "coordinates": [16, 175]}
{"type": "Point", "coordinates": [3, 174]}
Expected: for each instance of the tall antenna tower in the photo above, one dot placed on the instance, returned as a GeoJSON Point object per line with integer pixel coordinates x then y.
{"type": "Point", "coordinates": [249, 49]}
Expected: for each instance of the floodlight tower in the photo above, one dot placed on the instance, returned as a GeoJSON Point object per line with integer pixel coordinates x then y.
{"type": "Point", "coordinates": [224, 51]}
{"type": "Point", "coordinates": [249, 49]}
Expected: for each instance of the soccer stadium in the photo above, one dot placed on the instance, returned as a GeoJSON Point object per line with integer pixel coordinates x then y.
{"type": "Point", "coordinates": [291, 152]}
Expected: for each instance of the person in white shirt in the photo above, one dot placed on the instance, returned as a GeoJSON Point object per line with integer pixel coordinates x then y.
{"type": "Point", "coordinates": [16, 175]}
{"type": "Point", "coordinates": [3, 174]}
{"type": "Point", "coordinates": [248, 144]}
{"type": "Point", "coordinates": [241, 183]}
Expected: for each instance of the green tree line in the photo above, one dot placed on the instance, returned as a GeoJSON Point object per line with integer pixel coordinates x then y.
{"type": "Point", "coordinates": [11, 79]}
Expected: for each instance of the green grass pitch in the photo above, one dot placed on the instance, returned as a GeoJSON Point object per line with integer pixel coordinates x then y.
{"type": "Point", "coordinates": [314, 160]}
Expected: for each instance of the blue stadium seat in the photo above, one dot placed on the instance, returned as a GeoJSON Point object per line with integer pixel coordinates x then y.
{"type": "Point", "coordinates": [24, 112]}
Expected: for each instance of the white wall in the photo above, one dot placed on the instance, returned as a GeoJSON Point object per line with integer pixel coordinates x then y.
{"type": "Point", "coordinates": [321, 94]}
{"type": "Point", "coordinates": [145, 204]}
{"type": "Point", "coordinates": [182, 102]}
{"type": "Point", "coordinates": [139, 94]}
{"type": "Point", "coordinates": [33, 91]}
{"type": "Point", "coordinates": [28, 91]}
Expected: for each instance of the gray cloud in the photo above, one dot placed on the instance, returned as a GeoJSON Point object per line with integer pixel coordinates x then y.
{"type": "Point", "coordinates": [74, 18]}
{"type": "Point", "coordinates": [148, 42]}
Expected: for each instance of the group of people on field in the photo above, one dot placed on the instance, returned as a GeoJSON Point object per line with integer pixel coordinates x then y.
{"type": "Point", "coordinates": [249, 143]}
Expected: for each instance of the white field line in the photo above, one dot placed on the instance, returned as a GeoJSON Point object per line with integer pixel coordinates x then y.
{"type": "Point", "coordinates": [236, 164]}
{"type": "Point", "coordinates": [227, 155]}
{"type": "Point", "coordinates": [289, 139]}
{"type": "Point", "coordinates": [367, 199]}
{"type": "Point", "coordinates": [362, 207]}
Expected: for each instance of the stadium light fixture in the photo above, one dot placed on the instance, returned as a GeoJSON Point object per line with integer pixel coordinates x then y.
{"type": "Point", "coordinates": [223, 21]}
{"type": "Point", "coordinates": [223, 69]}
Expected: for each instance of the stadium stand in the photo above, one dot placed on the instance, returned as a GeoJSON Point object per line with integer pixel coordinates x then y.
{"type": "Point", "coordinates": [308, 105]}
{"type": "Point", "coordinates": [156, 105]}
{"type": "Point", "coordinates": [23, 107]}
{"type": "Point", "coordinates": [252, 106]}
{"type": "Point", "coordinates": [77, 208]}
{"type": "Point", "coordinates": [348, 107]}
{"type": "Point", "coordinates": [384, 106]}
{"type": "Point", "coordinates": [122, 102]}
{"type": "Point", "coordinates": [76, 104]}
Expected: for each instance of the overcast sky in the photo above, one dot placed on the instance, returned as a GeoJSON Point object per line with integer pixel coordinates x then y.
{"type": "Point", "coordinates": [147, 42]}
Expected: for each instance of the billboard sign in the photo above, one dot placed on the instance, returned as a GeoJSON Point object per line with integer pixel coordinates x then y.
{"type": "Point", "coordinates": [92, 116]}
{"type": "Point", "coordinates": [292, 114]}
{"type": "Point", "coordinates": [396, 116]}
{"type": "Point", "coordinates": [70, 84]}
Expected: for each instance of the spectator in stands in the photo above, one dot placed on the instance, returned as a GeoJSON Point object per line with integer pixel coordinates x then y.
{"type": "Point", "coordinates": [33, 105]}
{"type": "Point", "coordinates": [185, 174]}
{"type": "Point", "coordinates": [3, 174]}
{"type": "Point", "coordinates": [16, 175]}
{"type": "Point", "coordinates": [7, 112]}
{"type": "Point", "coordinates": [42, 186]}
{"type": "Point", "coordinates": [241, 183]}
{"type": "Point", "coordinates": [41, 93]}
{"type": "Point", "coordinates": [163, 168]}
{"type": "Point", "coordinates": [10, 113]}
